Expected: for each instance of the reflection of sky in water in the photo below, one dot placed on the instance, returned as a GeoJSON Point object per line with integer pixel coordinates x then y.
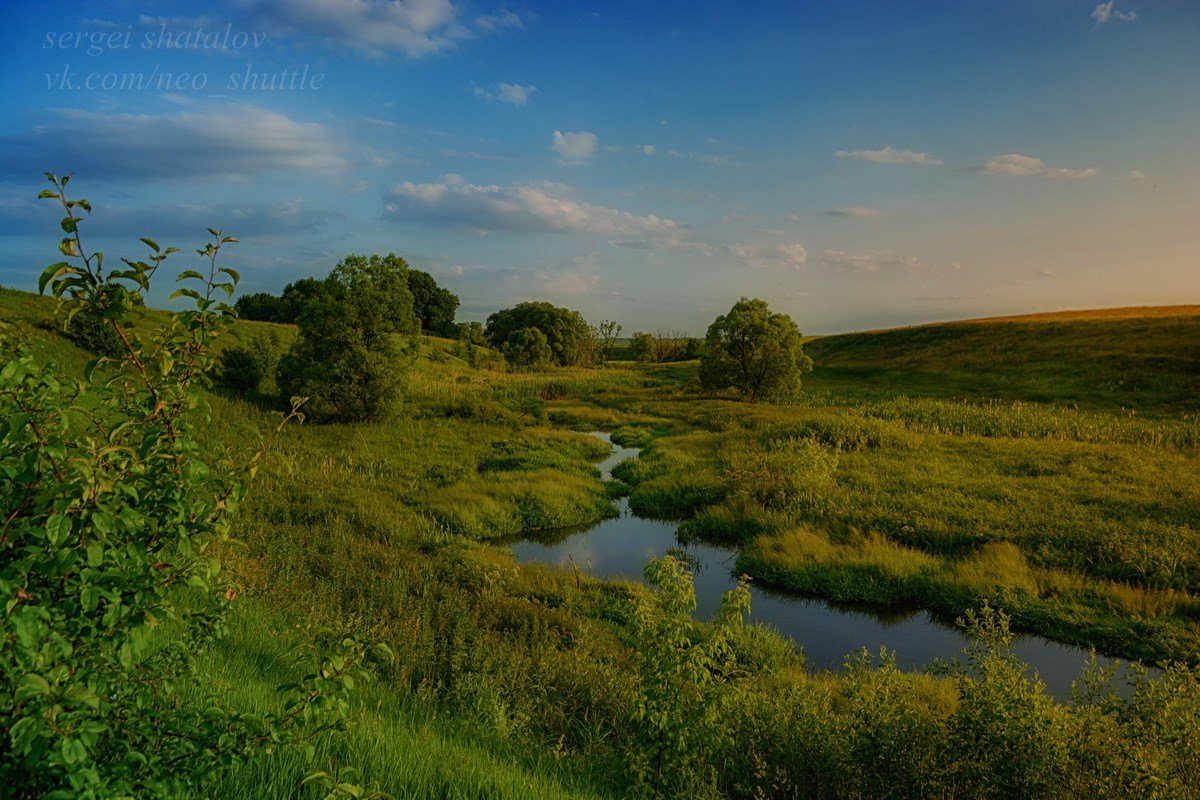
{"type": "Point", "coordinates": [620, 547]}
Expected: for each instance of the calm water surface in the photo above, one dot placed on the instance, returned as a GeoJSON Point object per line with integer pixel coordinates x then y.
{"type": "Point", "coordinates": [620, 547]}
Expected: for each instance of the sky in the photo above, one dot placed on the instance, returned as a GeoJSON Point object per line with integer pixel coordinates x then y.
{"type": "Point", "coordinates": [858, 163]}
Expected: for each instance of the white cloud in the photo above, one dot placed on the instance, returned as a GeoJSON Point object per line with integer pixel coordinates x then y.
{"type": "Point", "coordinates": [543, 207]}
{"type": "Point", "coordinates": [512, 94]}
{"type": "Point", "coordinates": [710, 159]}
{"type": "Point", "coordinates": [876, 261]}
{"type": "Point", "coordinates": [1104, 12]}
{"type": "Point", "coordinates": [890, 155]}
{"type": "Point", "coordinates": [574, 147]}
{"type": "Point", "coordinates": [1137, 174]}
{"type": "Point", "coordinates": [499, 21]}
{"type": "Point", "coordinates": [1028, 166]}
{"type": "Point", "coordinates": [413, 28]}
{"type": "Point", "coordinates": [1046, 273]}
{"type": "Point", "coordinates": [783, 254]}
{"type": "Point", "coordinates": [857, 212]}
{"type": "Point", "coordinates": [237, 140]}
{"type": "Point", "coordinates": [644, 149]}
{"type": "Point", "coordinates": [565, 281]}
{"type": "Point", "coordinates": [668, 244]}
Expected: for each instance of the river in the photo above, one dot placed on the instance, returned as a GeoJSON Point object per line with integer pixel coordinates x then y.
{"type": "Point", "coordinates": [827, 633]}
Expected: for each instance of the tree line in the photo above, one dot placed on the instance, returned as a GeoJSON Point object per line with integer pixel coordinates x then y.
{"type": "Point", "coordinates": [357, 329]}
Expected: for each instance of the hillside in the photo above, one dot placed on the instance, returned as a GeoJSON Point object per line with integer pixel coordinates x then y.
{"type": "Point", "coordinates": [1146, 358]}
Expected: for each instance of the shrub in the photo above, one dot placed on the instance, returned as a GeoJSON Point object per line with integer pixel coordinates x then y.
{"type": "Point", "coordinates": [93, 333]}
{"type": "Point", "coordinates": [684, 666]}
{"type": "Point", "coordinates": [243, 368]}
{"type": "Point", "coordinates": [108, 556]}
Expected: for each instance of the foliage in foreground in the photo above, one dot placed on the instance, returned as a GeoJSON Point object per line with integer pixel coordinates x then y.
{"type": "Point", "coordinates": [109, 552]}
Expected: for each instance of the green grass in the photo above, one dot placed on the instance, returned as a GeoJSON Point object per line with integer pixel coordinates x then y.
{"type": "Point", "coordinates": [522, 681]}
{"type": "Point", "coordinates": [1095, 508]}
{"type": "Point", "coordinates": [405, 749]}
{"type": "Point", "coordinates": [1148, 359]}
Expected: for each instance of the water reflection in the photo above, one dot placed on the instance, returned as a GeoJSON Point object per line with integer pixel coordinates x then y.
{"type": "Point", "coordinates": [827, 632]}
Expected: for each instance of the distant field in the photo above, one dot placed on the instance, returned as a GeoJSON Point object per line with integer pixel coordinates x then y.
{"type": "Point", "coordinates": [1144, 358]}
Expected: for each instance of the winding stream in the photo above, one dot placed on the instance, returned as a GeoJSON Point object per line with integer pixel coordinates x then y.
{"type": "Point", "coordinates": [621, 546]}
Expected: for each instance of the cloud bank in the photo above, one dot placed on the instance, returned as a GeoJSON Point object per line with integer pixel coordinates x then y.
{"type": "Point", "coordinates": [544, 208]}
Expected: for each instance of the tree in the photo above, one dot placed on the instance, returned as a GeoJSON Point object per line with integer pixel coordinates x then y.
{"type": "Point", "coordinates": [527, 347]}
{"type": "Point", "coordinates": [296, 296]}
{"type": "Point", "coordinates": [434, 305]}
{"type": "Point", "coordinates": [607, 334]}
{"type": "Point", "coordinates": [471, 332]}
{"type": "Point", "coordinates": [345, 360]}
{"type": "Point", "coordinates": [260, 307]}
{"type": "Point", "coordinates": [669, 344]}
{"type": "Point", "coordinates": [642, 347]}
{"type": "Point", "coordinates": [567, 332]}
{"type": "Point", "coordinates": [753, 350]}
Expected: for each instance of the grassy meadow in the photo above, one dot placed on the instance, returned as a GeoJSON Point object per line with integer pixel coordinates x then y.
{"type": "Point", "coordinates": [1046, 466]}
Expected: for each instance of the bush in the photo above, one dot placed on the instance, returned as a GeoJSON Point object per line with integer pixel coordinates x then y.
{"type": "Point", "coordinates": [93, 333]}
{"type": "Point", "coordinates": [243, 368]}
{"type": "Point", "coordinates": [109, 572]}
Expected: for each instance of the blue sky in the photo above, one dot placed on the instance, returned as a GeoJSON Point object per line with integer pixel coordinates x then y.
{"type": "Point", "coordinates": [858, 164]}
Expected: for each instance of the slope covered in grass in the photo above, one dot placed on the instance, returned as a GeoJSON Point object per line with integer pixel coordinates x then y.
{"type": "Point", "coordinates": [1145, 358]}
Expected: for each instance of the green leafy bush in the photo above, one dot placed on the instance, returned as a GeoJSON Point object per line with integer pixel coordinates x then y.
{"type": "Point", "coordinates": [109, 568]}
{"type": "Point", "coordinates": [243, 368]}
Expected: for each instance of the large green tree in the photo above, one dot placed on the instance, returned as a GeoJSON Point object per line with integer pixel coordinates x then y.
{"type": "Point", "coordinates": [567, 333]}
{"type": "Point", "coordinates": [754, 350]}
{"type": "Point", "coordinates": [527, 348]}
{"type": "Point", "coordinates": [346, 360]}
{"type": "Point", "coordinates": [435, 306]}
{"type": "Point", "coordinates": [296, 295]}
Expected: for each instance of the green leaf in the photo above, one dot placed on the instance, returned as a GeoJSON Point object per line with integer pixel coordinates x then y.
{"type": "Point", "coordinates": [68, 224]}
{"type": "Point", "coordinates": [73, 751]}
{"type": "Point", "coordinates": [32, 684]}
{"type": "Point", "coordinates": [146, 240]}
{"type": "Point", "coordinates": [46, 194]}
{"type": "Point", "coordinates": [50, 273]}
{"type": "Point", "coordinates": [185, 293]}
{"type": "Point", "coordinates": [91, 368]}
{"type": "Point", "coordinates": [189, 273]}
{"type": "Point", "coordinates": [233, 273]}
{"type": "Point", "coordinates": [95, 554]}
